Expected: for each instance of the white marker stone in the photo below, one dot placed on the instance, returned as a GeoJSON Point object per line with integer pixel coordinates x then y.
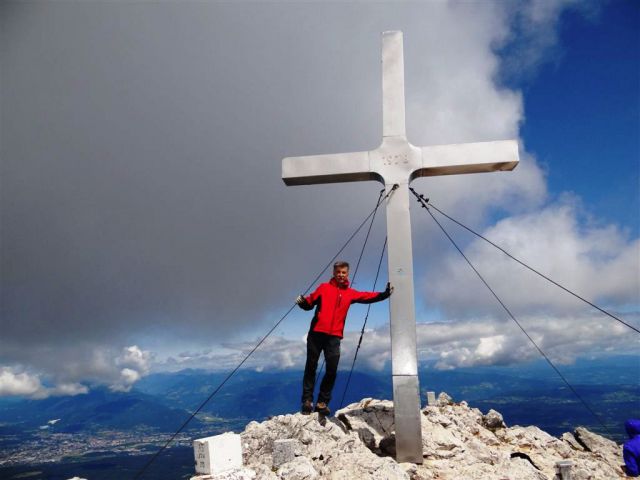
{"type": "Point", "coordinates": [396, 162]}
{"type": "Point", "coordinates": [217, 454]}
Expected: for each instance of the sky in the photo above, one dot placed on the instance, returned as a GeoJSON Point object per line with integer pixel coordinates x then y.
{"type": "Point", "coordinates": [144, 224]}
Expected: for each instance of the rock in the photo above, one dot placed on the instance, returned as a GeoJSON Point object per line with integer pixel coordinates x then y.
{"type": "Point", "coordinates": [233, 474]}
{"type": "Point", "coordinates": [493, 420]}
{"type": "Point", "coordinates": [593, 442]}
{"type": "Point", "coordinates": [371, 419]}
{"type": "Point", "coordinates": [284, 450]}
{"type": "Point", "coordinates": [388, 445]}
{"type": "Point", "coordinates": [300, 468]}
{"type": "Point", "coordinates": [264, 472]}
{"type": "Point", "coordinates": [444, 400]}
{"type": "Point", "coordinates": [459, 443]}
{"type": "Point", "coordinates": [571, 441]}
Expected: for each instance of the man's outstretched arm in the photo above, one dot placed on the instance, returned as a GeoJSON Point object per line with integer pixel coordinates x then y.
{"type": "Point", "coordinates": [373, 297]}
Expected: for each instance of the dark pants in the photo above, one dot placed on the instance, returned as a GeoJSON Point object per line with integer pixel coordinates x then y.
{"type": "Point", "coordinates": [330, 345]}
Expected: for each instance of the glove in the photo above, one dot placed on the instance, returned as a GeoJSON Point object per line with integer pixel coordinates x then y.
{"type": "Point", "coordinates": [303, 304]}
{"type": "Point", "coordinates": [389, 289]}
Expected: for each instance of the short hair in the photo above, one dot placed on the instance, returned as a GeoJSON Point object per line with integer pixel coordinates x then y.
{"type": "Point", "coordinates": [340, 264]}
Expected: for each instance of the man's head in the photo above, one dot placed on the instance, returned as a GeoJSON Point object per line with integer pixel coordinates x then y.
{"type": "Point", "coordinates": [341, 272]}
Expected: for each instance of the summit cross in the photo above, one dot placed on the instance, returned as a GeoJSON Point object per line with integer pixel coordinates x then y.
{"type": "Point", "coordinates": [395, 163]}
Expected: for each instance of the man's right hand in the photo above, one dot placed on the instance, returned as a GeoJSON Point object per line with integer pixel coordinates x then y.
{"type": "Point", "coordinates": [303, 303]}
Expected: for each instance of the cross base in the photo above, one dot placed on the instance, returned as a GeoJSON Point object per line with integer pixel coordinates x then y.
{"type": "Point", "coordinates": [408, 418]}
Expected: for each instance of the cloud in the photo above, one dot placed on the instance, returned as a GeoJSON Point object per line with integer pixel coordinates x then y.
{"type": "Point", "coordinates": [69, 371]}
{"type": "Point", "coordinates": [489, 341]}
{"type": "Point", "coordinates": [22, 384]}
{"type": "Point", "coordinates": [597, 261]}
{"type": "Point", "coordinates": [274, 353]}
{"type": "Point", "coordinates": [165, 211]}
{"type": "Point", "coordinates": [142, 203]}
{"type": "Point", "coordinates": [474, 342]}
{"type": "Point", "coordinates": [133, 363]}
{"type": "Point", "coordinates": [532, 39]}
{"type": "Point", "coordinates": [460, 342]}
{"type": "Point", "coordinates": [18, 384]}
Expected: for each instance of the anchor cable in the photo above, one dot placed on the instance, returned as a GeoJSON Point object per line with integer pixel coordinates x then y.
{"type": "Point", "coordinates": [423, 203]}
{"type": "Point", "coordinates": [527, 266]}
{"type": "Point", "coordinates": [355, 272]}
{"type": "Point", "coordinates": [355, 355]}
{"type": "Point", "coordinates": [168, 442]}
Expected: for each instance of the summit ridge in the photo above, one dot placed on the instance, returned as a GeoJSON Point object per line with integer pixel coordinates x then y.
{"type": "Point", "coordinates": [459, 443]}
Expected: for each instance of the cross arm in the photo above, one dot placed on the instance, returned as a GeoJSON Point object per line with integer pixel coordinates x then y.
{"type": "Point", "coordinates": [333, 168]}
{"type": "Point", "coordinates": [468, 158]}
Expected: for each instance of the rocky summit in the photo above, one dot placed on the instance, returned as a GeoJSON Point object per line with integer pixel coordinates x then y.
{"type": "Point", "coordinates": [458, 443]}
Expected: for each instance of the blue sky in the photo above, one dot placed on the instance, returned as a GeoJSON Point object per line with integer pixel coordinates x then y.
{"type": "Point", "coordinates": [582, 112]}
{"type": "Point", "coordinates": [145, 225]}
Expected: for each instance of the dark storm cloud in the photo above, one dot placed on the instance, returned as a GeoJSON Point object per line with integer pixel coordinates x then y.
{"type": "Point", "coordinates": [141, 165]}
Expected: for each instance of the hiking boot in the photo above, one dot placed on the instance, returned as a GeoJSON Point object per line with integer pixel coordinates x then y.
{"type": "Point", "coordinates": [307, 407]}
{"type": "Point", "coordinates": [323, 409]}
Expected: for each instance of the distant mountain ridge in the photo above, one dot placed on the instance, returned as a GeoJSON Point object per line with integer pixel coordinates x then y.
{"type": "Point", "coordinates": [162, 401]}
{"type": "Point", "coordinates": [98, 409]}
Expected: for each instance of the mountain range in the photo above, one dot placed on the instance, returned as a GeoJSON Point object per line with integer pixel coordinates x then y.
{"type": "Point", "coordinates": [529, 394]}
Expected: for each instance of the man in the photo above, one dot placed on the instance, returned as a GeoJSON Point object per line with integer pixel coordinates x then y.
{"type": "Point", "coordinates": [331, 301]}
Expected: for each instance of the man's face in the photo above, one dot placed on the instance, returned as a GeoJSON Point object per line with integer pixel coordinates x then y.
{"type": "Point", "coordinates": [341, 274]}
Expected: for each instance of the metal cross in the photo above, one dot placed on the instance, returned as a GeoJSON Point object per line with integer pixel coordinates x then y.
{"type": "Point", "coordinates": [397, 162]}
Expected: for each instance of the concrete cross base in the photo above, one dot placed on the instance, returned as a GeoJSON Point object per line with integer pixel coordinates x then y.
{"type": "Point", "coordinates": [407, 418]}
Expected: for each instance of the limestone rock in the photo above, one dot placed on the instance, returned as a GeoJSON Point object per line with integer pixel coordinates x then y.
{"type": "Point", "coordinates": [284, 450]}
{"type": "Point", "coordinates": [233, 474]}
{"type": "Point", "coordinates": [444, 399]}
{"type": "Point", "coordinates": [493, 420]}
{"type": "Point", "coordinates": [371, 419]}
{"type": "Point", "coordinates": [459, 443]}
{"type": "Point", "coordinates": [300, 468]}
{"type": "Point", "coordinates": [593, 442]}
{"type": "Point", "coordinates": [571, 440]}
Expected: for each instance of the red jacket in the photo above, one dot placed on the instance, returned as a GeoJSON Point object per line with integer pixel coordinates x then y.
{"type": "Point", "coordinates": [332, 302]}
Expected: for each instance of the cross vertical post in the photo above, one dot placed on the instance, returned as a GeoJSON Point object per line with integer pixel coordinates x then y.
{"type": "Point", "coordinates": [395, 163]}
{"type": "Point", "coordinates": [404, 357]}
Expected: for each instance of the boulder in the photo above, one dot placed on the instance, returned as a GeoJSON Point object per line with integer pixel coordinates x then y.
{"type": "Point", "coordinates": [493, 420]}
{"type": "Point", "coordinates": [300, 468]}
{"type": "Point", "coordinates": [444, 399]}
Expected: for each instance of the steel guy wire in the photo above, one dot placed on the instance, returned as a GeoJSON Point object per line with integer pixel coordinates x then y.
{"type": "Point", "coordinates": [144, 468]}
{"type": "Point", "coordinates": [353, 278]}
{"type": "Point", "coordinates": [355, 355]}
{"type": "Point", "coordinates": [584, 403]}
{"type": "Point", "coordinates": [527, 266]}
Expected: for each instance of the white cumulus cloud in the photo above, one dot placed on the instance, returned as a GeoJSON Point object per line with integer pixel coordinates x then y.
{"type": "Point", "coordinates": [18, 384]}
{"type": "Point", "coordinates": [23, 384]}
{"type": "Point", "coordinates": [598, 262]}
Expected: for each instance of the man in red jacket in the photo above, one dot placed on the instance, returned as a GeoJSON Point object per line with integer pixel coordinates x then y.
{"type": "Point", "coordinates": [331, 301]}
